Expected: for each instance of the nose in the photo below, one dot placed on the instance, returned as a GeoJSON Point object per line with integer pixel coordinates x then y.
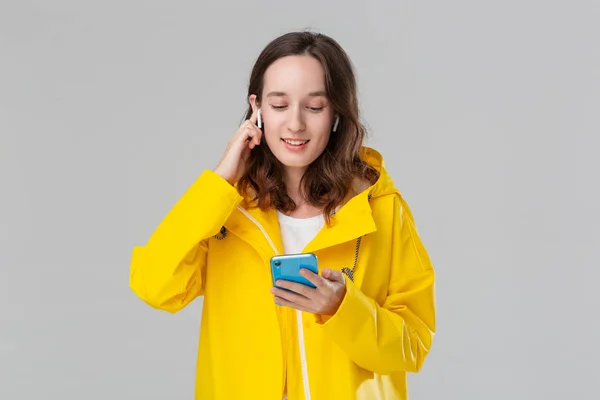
{"type": "Point", "coordinates": [296, 121]}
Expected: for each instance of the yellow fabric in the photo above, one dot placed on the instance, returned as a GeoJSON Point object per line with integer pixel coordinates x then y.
{"type": "Point", "coordinates": [249, 347]}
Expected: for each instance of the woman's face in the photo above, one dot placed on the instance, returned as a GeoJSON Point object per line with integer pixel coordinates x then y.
{"type": "Point", "coordinates": [296, 113]}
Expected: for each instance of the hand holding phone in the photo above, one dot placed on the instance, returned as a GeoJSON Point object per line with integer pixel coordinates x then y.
{"type": "Point", "coordinates": [320, 294]}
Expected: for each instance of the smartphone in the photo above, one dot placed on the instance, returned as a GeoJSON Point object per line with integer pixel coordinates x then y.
{"type": "Point", "coordinates": [287, 267]}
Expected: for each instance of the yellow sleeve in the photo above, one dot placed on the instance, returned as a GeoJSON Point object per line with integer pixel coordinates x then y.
{"type": "Point", "coordinates": [397, 335]}
{"type": "Point", "coordinates": [168, 272]}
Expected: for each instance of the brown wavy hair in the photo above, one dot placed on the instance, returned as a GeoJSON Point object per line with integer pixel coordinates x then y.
{"type": "Point", "coordinates": [328, 180]}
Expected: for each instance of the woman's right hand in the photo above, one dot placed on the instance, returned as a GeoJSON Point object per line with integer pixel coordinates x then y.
{"type": "Point", "coordinates": [234, 162]}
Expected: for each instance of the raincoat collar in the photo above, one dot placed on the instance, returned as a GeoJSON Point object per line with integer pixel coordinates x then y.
{"type": "Point", "coordinates": [260, 229]}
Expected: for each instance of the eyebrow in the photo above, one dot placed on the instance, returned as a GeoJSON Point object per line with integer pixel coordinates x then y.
{"type": "Point", "coordinates": [311, 94]}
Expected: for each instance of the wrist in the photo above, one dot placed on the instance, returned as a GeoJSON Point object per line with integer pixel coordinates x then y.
{"type": "Point", "coordinates": [224, 176]}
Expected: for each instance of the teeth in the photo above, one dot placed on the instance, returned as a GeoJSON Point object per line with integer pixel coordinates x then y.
{"type": "Point", "coordinates": [296, 142]}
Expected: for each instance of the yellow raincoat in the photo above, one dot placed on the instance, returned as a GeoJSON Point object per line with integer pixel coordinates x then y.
{"type": "Point", "coordinates": [250, 348]}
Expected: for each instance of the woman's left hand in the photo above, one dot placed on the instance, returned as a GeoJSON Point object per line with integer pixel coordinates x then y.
{"type": "Point", "coordinates": [325, 299]}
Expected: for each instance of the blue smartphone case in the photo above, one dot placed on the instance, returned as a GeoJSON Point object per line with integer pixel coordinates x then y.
{"type": "Point", "coordinates": [287, 267]}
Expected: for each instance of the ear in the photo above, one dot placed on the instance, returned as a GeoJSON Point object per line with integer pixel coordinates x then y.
{"type": "Point", "coordinates": [253, 103]}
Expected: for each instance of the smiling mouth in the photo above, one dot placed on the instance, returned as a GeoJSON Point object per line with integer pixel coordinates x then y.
{"type": "Point", "coordinates": [295, 142]}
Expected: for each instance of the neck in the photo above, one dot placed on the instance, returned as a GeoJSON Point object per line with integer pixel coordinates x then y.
{"type": "Point", "coordinates": [292, 183]}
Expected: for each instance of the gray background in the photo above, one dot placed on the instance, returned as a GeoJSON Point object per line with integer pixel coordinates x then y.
{"type": "Point", "coordinates": [486, 112]}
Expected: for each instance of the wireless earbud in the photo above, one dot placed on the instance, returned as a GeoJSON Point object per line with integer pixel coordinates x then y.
{"type": "Point", "coordinates": [259, 121]}
{"type": "Point", "coordinates": [337, 121]}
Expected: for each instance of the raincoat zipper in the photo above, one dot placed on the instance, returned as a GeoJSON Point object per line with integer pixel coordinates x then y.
{"type": "Point", "coordinates": [298, 312]}
{"type": "Point", "coordinates": [347, 271]}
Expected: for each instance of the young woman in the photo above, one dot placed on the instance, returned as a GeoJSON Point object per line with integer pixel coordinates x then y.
{"type": "Point", "coordinates": [296, 178]}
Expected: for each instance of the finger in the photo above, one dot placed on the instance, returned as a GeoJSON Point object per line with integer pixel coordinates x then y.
{"type": "Point", "coordinates": [312, 277]}
{"type": "Point", "coordinates": [257, 137]}
{"type": "Point", "coordinates": [252, 139]}
{"type": "Point", "coordinates": [249, 129]}
{"type": "Point", "coordinates": [254, 117]}
{"type": "Point", "coordinates": [333, 275]}
{"type": "Point", "coordinates": [296, 287]}
{"type": "Point", "coordinates": [286, 303]}
{"type": "Point", "coordinates": [290, 296]}
{"type": "Point", "coordinates": [249, 133]}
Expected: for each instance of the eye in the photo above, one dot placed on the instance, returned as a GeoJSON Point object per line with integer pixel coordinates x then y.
{"type": "Point", "coordinates": [316, 109]}
{"type": "Point", "coordinates": [279, 108]}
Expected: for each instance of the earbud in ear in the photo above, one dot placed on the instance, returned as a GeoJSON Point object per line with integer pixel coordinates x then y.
{"type": "Point", "coordinates": [337, 121]}
{"type": "Point", "coordinates": [259, 121]}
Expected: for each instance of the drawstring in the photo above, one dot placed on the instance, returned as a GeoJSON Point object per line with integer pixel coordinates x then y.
{"type": "Point", "coordinates": [350, 272]}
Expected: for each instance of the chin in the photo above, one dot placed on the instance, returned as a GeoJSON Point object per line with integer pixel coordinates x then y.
{"type": "Point", "coordinates": [294, 160]}
{"type": "Point", "coordinates": [295, 163]}
{"type": "Point", "coordinates": [298, 160]}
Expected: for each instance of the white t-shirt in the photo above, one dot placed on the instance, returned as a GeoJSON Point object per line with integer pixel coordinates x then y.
{"type": "Point", "coordinates": [296, 233]}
